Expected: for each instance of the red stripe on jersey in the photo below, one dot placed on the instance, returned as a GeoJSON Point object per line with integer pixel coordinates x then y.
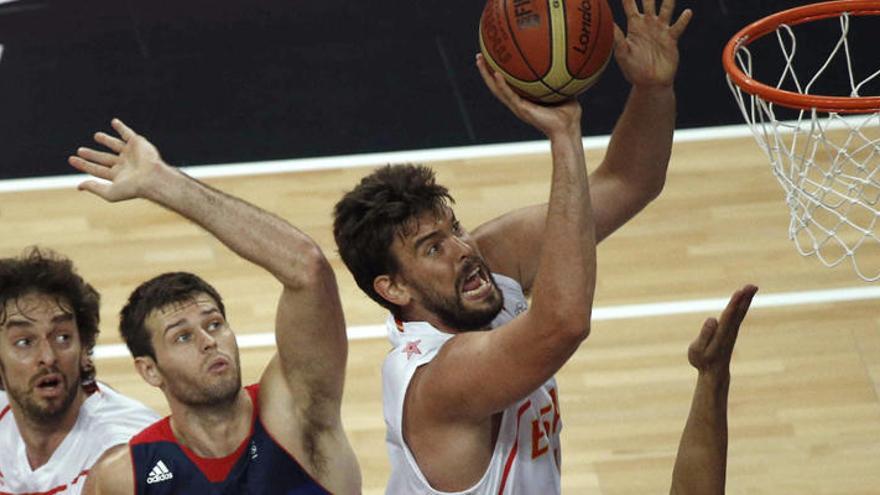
{"type": "Point", "coordinates": [57, 489]}
{"type": "Point", "coordinates": [3, 413]}
{"type": "Point", "coordinates": [512, 455]}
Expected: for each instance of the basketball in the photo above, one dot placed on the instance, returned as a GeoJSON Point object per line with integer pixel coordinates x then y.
{"type": "Point", "coordinates": [547, 50]}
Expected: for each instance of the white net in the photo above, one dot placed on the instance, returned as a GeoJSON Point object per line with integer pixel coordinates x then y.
{"type": "Point", "coordinates": [826, 163]}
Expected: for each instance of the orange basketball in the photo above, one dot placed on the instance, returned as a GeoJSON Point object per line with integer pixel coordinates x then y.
{"type": "Point", "coordinates": [548, 50]}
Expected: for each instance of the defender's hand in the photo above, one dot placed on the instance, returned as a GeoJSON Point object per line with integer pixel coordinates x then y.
{"type": "Point", "coordinates": [713, 348]}
{"type": "Point", "coordinates": [648, 53]}
{"type": "Point", "coordinates": [550, 120]}
{"type": "Point", "coordinates": [129, 167]}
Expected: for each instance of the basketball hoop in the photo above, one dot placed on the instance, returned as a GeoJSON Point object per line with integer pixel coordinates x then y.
{"type": "Point", "coordinates": [826, 155]}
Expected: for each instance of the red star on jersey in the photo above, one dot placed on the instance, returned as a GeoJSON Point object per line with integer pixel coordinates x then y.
{"type": "Point", "coordinates": [411, 348]}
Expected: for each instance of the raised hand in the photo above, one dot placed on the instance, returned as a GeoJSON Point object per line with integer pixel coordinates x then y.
{"type": "Point", "coordinates": [648, 53]}
{"type": "Point", "coordinates": [128, 168]}
{"type": "Point", "coordinates": [550, 120]}
{"type": "Point", "coordinates": [713, 347]}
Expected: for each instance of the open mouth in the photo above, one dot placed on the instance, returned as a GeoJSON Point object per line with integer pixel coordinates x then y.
{"type": "Point", "coordinates": [476, 284]}
{"type": "Point", "coordinates": [50, 385]}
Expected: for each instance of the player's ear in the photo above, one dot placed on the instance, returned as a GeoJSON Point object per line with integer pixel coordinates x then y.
{"type": "Point", "coordinates": [391, 290]}
{"type": "Point", "coordinates": [148, 370]}
{"type": "Point", "coordinates": [86, 363]}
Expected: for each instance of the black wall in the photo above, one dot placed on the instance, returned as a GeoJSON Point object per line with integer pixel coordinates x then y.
{"type": "Point", "coordinates": [220, 82]}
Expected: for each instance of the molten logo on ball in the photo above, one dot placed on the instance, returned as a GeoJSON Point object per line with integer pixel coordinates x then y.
{"type": "Point", "coordinates": [497, 37]}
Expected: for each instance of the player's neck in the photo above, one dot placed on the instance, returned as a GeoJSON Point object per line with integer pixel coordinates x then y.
{"type": "Point", "coordinates": [414, 312]}
{"type": "Point", "coordinates": [214, 431]}
{"type": "Point", "coordinates": [41, 439]}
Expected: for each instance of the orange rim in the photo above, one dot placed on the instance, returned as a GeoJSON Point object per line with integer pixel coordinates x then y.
{"type": "Point", "coordinates": [793, 17]}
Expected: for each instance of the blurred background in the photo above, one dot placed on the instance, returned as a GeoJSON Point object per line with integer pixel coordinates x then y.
{"type": "Point", "coordinates": [225, 82]}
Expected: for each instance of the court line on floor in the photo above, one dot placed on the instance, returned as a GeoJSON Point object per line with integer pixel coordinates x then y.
{"type": "Point", "coordinates": [709, 306]}
{"type": "Point", "coordinates": [415, 156]}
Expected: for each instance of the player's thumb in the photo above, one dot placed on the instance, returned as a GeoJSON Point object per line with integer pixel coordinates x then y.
{"type": "Point", "coordinates": [97, 188]}
{"type": "Point", "coordinates": [619, 39]}
{"type": "Point", "coordinates": [698, 347]}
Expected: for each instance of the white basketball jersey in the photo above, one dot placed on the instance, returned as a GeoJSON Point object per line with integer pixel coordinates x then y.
{"type": "Point", "coordinates": [106, 418]}
{"type": "Point", "coordinates": [527, 453]}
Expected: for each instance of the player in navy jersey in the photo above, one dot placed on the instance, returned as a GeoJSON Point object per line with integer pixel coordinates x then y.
{"type": "Point", "coordinates": [281, 436]}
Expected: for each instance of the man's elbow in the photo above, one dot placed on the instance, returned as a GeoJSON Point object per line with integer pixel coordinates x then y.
{"type": "Point", "coordinates": [650, 186]}
{"type": "Point", "coordinates": [307, 268]}
{"type": "Point", "coordinates": [572, 326]}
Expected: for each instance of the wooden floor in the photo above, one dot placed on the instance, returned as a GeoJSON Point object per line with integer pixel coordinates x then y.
{"type": "Point", "coordinates": [804, 409]}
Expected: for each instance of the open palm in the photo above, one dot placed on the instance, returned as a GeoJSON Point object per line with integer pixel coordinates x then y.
{"type": "Point", "coordinates": [648, 53]}
{"type": "Point", "coordinates": [125, 170]}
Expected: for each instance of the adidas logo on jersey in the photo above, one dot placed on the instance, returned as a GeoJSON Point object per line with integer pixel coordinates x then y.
{"type": "Point", "coordinates": [159, 473]}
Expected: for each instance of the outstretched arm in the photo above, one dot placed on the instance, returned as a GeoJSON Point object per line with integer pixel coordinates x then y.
{"type": "Point", "coordinates": [701, 463]}
{"type": "Point", "coordinates": [633, 171]}
{"type": "Point", "coordinates": [310, 330]}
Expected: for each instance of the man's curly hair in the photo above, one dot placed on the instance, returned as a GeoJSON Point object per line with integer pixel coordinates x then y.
{"type": "Point", "coordinates": [43, 271]}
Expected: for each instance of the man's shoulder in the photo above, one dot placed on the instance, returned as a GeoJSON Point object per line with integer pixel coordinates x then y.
{"type": "Point", "coordinates": [112, 473]}
{"type": "Point", "coordinates": [411, 352]}
{"type": "Point", "coordinates": [115, 418]}
{"type": "Point", "coordinates": [159, 431]}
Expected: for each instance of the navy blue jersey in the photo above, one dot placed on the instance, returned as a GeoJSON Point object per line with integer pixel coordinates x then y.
{"type": "Point", "coordinates": [258, 466]}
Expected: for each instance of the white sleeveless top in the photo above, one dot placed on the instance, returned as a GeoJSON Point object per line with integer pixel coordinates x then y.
{"type": "Point", "coordinates": [106, 418]}
{"type": "Point", "coordinates": [527, 453]}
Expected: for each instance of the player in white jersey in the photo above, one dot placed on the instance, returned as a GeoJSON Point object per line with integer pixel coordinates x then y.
{"type": "Point", "coordinates": [57, 421]}
{"type": "Point", "coordinates": [474, 411]}
{"type": "Point", "coordinates": [529, 429]}
{"type": "Point", "coordinates": [106, 419]}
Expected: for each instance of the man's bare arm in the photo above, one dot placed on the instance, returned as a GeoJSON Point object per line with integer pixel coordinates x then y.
{"type": "Point", "coordinates": [633, 171]}
{"type": "Point", "coordinates": [701, 462]}
{"type": "Point", "coordinates": [310, 330]}
{"type": "Point", "coordinates": [112, 474]}
{"type": "Point", "coordinates": [516, 359]}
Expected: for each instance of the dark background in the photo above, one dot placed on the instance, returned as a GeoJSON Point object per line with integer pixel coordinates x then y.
{"type": "Point", "coordinates": [222, 82]}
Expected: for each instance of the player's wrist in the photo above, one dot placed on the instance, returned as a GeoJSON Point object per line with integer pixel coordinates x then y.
{"type": "Point", "coordinates": [160, 182]}
{"type": "Point", "coordinates": [654, 90]}
{"type": "Point", "coordinates": [715, 377]}
{"type": "Point", "coordinates": [565, 132]}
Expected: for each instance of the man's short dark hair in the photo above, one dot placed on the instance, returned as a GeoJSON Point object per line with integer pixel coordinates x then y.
{"type": "Point", "coordinates": [43, 271]}
{"type": "Point", "coordinates": [153, 294]}
{"type": "Point", "coordinates": [383, 204]}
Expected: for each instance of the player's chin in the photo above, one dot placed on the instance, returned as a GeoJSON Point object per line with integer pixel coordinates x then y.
{"type": "Point", "coordinates": [488, 302]}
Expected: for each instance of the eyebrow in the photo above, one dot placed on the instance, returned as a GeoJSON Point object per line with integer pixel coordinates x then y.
{"type": "Point", "coordinates": [17, 323]}
{"type": "Point", "coordinates": [181, 321]}
{"type": "Point", "coordinates": [174, 324]}
{"type": "Point", "coordinates": [424, 239]}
